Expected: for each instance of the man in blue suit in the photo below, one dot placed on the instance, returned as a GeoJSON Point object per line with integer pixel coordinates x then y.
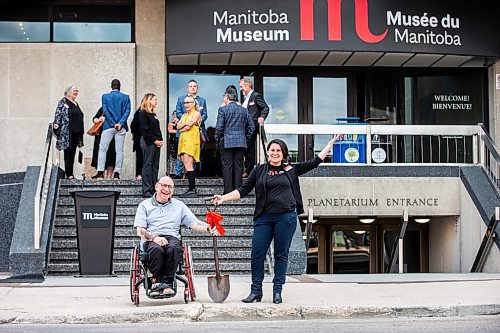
{"type": "Point", "coordinates": [116, 108]}
{"type": "Point", "coordinates": [233, 131]}
{"type": "Point", "coordinates": [180, 109]}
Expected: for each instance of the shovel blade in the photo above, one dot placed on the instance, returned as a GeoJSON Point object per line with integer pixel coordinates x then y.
{"type": "Point", "coordinates": [218, 288]}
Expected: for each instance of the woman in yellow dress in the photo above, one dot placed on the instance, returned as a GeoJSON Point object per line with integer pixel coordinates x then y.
{"type": "Point", "coordinates": [189, 142]}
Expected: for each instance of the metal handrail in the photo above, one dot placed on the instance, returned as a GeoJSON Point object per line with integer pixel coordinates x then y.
{"type": "Point", "coordinates": [488, 157]}
{"type": "Point", "coordinates": [484, 151]}
{"type": "Point", "coordinates": [263, 141]}
{"type": "Point", "coordinates": [449, 133]}
{"type": "Point", "coordinates": [451, 130]}
{"type": "Point", "coordinates": [40, 200]}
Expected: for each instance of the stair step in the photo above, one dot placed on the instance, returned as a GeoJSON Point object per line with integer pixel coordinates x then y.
{"type": "Point", "coordinates": [234, 247]}
{"type": "Point", "coordinates": [128, 221]}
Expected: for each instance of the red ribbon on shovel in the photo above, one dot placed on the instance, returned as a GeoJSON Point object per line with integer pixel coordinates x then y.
{"type": "Point", "coordinates": [213, 218]}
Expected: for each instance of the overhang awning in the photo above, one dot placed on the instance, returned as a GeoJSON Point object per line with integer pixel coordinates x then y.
{"type": "Point", "coordinates": [329, 58]}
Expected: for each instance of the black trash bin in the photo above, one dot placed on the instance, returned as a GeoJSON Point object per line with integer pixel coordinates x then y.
{"type": "Point", "coordinates": [95, 213]}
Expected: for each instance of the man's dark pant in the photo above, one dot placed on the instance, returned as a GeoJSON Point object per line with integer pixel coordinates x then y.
{"type": "Point", "coordinates": [232, 167]}
{"type": "Point", "coordinates": [251, 150]}
{"type": "Point", "coordinates": [267, 227]}
{"type": "Point", "coordinates": [164, 260]}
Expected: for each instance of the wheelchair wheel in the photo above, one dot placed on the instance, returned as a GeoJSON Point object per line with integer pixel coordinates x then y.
{"type": "Point", "coordinates": [188, 260]}
{"type": "Point", "coordinates": [135, 275]}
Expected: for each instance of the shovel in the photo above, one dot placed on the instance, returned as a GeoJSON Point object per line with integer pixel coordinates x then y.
{"type": "Point", "coordinates": [218, 286]}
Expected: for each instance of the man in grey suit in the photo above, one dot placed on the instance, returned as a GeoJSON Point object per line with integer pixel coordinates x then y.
{"type": "Point", "coordinates": [233, 130]}
{"type": "Point", "coordinates": [116, 109]}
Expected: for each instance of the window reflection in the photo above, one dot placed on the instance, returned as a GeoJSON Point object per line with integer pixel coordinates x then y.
{"type": "Point", "coordinates": [27, 32]}
{"type": "Point", "coordinates": [329, 103]}
{"type": "Point", "coordinates": [280, 93]}
{"type": "Point", "coordinates": [210, 86]}
{"type": "Point", "coordinates": [351, 251]}
{"type": "Point", "coordinates": [92, 32]}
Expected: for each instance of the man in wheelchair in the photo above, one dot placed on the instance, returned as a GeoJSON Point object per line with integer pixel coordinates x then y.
{"type": "Point", "coordinates": [158, 221]}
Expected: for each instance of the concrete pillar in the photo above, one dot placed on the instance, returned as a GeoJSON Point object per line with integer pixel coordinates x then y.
{"type": "Point", "coordinates": [151, 70]}
{"type": "Point", "coordinates": [494, 102]}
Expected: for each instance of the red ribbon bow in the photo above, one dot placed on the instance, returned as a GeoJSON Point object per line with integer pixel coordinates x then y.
{"type": "Point", "coordinates": [213, 219]}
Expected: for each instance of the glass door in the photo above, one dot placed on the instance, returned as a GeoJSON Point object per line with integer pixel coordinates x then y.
{"type": "Point", "coordinates": [212, 88]}
{"type": "Point", "coordinates": [281, 95]}
{"type": "Point", "coordinates": [305, 99]}
{"type": "Point", "coordinates": [329, 102]}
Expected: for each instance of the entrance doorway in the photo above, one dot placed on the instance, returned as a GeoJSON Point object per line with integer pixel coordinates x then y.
{"type": "Point", "coordinates": [300, 97]}
{"type": "Point", "coordinates": [305, 99]}
{"type": "Point", "coordinates": [345, 246]}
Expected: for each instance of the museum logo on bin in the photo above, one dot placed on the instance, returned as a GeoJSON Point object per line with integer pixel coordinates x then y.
{"type": "Point", "coordinates": [95, 216]}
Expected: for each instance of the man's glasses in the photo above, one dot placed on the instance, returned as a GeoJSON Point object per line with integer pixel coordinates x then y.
{"type": "Point", "coordinates": [164, 186]}
{"type": "Point", "coordinates": [188, 102]}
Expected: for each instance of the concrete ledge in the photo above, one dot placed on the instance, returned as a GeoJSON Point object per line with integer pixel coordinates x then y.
{"type": "Point", "coordinates": [26, 263]}
{"type": "Point", "coordinates": [98, 300]}
{"type": "Point", "coordinates": [213, 313]}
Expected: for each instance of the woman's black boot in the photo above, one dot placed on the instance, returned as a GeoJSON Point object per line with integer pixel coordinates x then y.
{"type": "Point", "coordinates": [252, 298]}
{"type": "Point", "coordinates": [277, 298]}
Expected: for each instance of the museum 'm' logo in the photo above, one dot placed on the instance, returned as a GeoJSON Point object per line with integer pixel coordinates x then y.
{"type": "Point", "coordinates": [335, 21]}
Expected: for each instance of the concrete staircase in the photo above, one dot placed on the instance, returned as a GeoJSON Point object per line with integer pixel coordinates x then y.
{"type": "Point", "coordinates": [234, 247]}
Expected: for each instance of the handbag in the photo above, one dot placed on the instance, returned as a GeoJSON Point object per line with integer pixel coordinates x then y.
{"type": "Point", "coordinates": [95, 129]}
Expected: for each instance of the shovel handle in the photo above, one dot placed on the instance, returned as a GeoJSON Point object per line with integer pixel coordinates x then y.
{"type": "Point", "coordinates": [216, 256]}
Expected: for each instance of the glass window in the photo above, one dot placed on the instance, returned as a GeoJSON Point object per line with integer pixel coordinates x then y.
{"type": "Point", "coordinates": [24, 23]}
{"type": "Point", "coordinates": [92, 32]}
{"type": "Point", "coordinates": [28, 22]}
{"type": "Point", "coordinates": [210, 86]}
{"type": "Point", "coordinates": [280, 94]}
{"type": "Point", "coordinates": [26, 32]}
{"type": "Point", "coordinates": [351, 251]}
{"type": "Point", "coordinates": [329, 103]}
{"type": "Point", "coordinates": [92, 24]}
{"type": "Point", "coordinates": [449, 100]}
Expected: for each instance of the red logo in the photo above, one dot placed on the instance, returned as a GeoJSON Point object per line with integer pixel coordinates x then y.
{"type": "Point", "coordinates": [335, 20]}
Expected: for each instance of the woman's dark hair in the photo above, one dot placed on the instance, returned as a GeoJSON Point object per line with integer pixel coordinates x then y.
{"type": "Point", "coordinates": [283, 146]}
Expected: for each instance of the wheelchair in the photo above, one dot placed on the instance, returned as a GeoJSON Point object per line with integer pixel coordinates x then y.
{"type": "Point", "coordinates": [140, 275]}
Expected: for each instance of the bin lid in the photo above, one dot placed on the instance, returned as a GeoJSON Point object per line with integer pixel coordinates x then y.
{"type": "Point", "coordinates": [348, 119]}
{"type": "Point", "coordinates": [94, 194]}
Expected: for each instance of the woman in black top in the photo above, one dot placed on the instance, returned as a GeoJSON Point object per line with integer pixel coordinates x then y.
{"type": "Point", "coordinates": [278, 202]}
{"type": "Point", "coordinates": [151, 142]}
{"type": "Point", "coordinates": [68, 127]}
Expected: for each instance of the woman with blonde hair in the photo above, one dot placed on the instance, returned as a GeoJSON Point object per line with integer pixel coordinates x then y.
{"type": "Point", "coordinates": [151, 142]}
{"type": "Point", "coordinates": [189, 142]}
{"type": "Point", "coordinates": [68, 127]}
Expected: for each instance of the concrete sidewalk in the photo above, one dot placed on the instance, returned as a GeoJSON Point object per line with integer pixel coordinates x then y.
{"type": "Point", "coordinates": [107, 300]}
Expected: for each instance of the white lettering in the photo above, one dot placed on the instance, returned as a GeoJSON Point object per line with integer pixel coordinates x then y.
{"type": "Point", "coordinates": [427, 37]}
{"type": "Point", "coordinates": [235, 36]}
{"type": "Point", "coordinates": [251, 17]}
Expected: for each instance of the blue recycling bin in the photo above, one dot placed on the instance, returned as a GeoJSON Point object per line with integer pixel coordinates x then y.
{"type": "Point", "coordinates": [350, 148]}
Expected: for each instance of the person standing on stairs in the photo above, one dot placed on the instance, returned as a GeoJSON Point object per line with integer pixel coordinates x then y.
{"type": "Point", "coordinates": [189, 142]}
{"type": "Point", "coordinates": [151, 143]}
